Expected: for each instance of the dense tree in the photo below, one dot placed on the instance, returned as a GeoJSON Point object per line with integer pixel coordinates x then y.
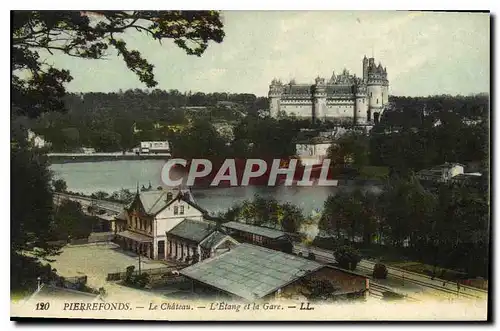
{"type": "Point", "coordinates": [200, 140]}
{"type": "Point", "coordinates": [421, 132]}
{"type": "Point", "coordinates": [347, 257]}
{"type": "Point", "coordinates": [447, 226]}
{"type": "Point", "coordinates": [59, 185]}
{"type": "Point", "coordinates": [31, 199]}
{"type": "Point", "coordinates": [350, 150]}
{"type": "Point", "coordinates": [290, 218]}
{"type": "Point", "coordinates": [267, 212]}
{"type": "Point", "coordinates": [70, 222]}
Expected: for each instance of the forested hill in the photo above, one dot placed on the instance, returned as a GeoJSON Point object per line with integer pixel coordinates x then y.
{"type": "Point", "coordinates": [107, 121]}
{"type": "Point", "coordinates": [119, 121]}
{"type": "Point", "coordinates": [416, 111]}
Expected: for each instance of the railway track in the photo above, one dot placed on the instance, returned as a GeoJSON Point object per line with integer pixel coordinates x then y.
{"type": "Point", "coordinates": [431, 285]}
{"type": "Point", "coordinates": [108, 206]}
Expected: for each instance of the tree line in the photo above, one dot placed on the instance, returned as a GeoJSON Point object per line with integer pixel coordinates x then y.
{"type": "Point", "coordinates": [447, 226]}
{"type": "Point", "coordinates": [267, 212]}
{"type": "Point", "coordinates": [119, 121]}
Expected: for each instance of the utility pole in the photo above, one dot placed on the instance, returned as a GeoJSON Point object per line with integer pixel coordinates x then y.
{"type": "Point", "coordinates": [139, 260]}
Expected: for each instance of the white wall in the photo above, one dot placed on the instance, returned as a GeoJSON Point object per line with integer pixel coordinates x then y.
{"type": "Point", "coordinates": [166, 219]}
{"type": "Point", "coordinates": [299, 110]}
{"type": "Point", "coordinates": [311, 154]}
{"type": "Point", "coordinates": [374, 94]}
{"type": "Point", "coordinates": [456, 170]}
{"type": "Point", "coordinates": [274, 106]}
{"type": "Point", "coordinates": [362, 109]}
{"type": "Point", "coordinates": [340, 110]}
{"type": "Point", "coordinates": [385, 91]}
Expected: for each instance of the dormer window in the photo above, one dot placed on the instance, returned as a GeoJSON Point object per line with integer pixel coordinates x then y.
{"type": "Point", "coordinates": [176, 210]}
{"type": "Point", "coordinates": [169, 196]}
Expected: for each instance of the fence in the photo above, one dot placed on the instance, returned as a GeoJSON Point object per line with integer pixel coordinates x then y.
{"type": "Point", "coordinates": [478, 283]}
{"type": "Point", "coordinates": [74, 283]}
{"type": "Point", "coordinates": [152, 272]}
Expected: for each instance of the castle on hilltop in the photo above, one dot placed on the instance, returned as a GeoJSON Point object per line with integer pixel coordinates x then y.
{"type": "Point", "coordinates": [344, 97]}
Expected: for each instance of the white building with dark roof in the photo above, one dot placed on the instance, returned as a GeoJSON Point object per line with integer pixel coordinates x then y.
{"type": "Point", "coordinates": [151, 215]}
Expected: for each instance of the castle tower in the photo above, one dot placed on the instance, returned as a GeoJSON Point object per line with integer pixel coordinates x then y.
{"type": "Point", "coordinates": [275, 91]}
{"type": "Point", "coordinates": [377, 90]}
{"type": "Point", "coordinates": [360, 102]}
{"type": "Point", "coordinates": [319, 97]}
{"type": "Point", "coordinates": [365, 69]}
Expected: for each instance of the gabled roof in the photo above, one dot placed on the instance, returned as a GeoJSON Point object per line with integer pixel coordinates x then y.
{"type": "Point", "coordinates": [250, 272]}
{"type": "Point", "coordinates": [155, 201]}
{"type": "Point", "coordinates": [213, 239]}
{"type": "Point", "coordinates": [192, 230]}
{"type": "Point", "coordinates": [121, 216]}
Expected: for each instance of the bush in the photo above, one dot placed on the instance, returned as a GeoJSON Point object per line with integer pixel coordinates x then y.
{"type": "Point", "coordinates": [141, 280]}
{"type": "Point", "coordinates": [128, 274]}
{"type": "Point", "coordinates": [380, 271]}
{"type": "Point", "coordinates": [347, 257]}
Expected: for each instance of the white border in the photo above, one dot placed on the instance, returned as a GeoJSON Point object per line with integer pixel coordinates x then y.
{"type": "Point", "coordinates": [216, 4]}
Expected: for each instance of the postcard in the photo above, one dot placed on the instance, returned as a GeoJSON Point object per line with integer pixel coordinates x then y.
{"type": "Point", "coordinates": [250, 165]}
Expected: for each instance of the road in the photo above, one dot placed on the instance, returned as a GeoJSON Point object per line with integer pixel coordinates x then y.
{"type": "Point", "coordinates": [413, 285]}
{"type": "Point", "coordinates": [108, 206]}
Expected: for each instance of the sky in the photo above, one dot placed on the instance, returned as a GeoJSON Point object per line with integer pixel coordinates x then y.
{"type": "Point", "coordinates": [425, 53]}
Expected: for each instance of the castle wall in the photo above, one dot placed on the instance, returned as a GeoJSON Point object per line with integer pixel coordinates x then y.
{"type": "Point", "coordinates": [343, 97]}
{"type": "Point", "coordinates": [374, 96]}
{"type": "Point", "coordinates": [385, 96]}
{"type": "Point", "coordinates": [339, 110]}
{"type": "Point", "coordinates": [361, 109]}
{"type": "Point", "coordinates": [274, 106]}
{"type": "Point", "coordinates": [299, 110]}
{"type": "Point", "coordinates": [320, 108]}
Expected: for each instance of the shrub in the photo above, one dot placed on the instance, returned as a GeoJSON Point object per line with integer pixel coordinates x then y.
{"type": "Point", "coordinates": [128, 273]}
{"type": "Point", "coordinates": [347, 257]}
{"type": "Point", "coordinates": [380, 271]}
{"type": "Point", "coordinates": [141, 280]}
